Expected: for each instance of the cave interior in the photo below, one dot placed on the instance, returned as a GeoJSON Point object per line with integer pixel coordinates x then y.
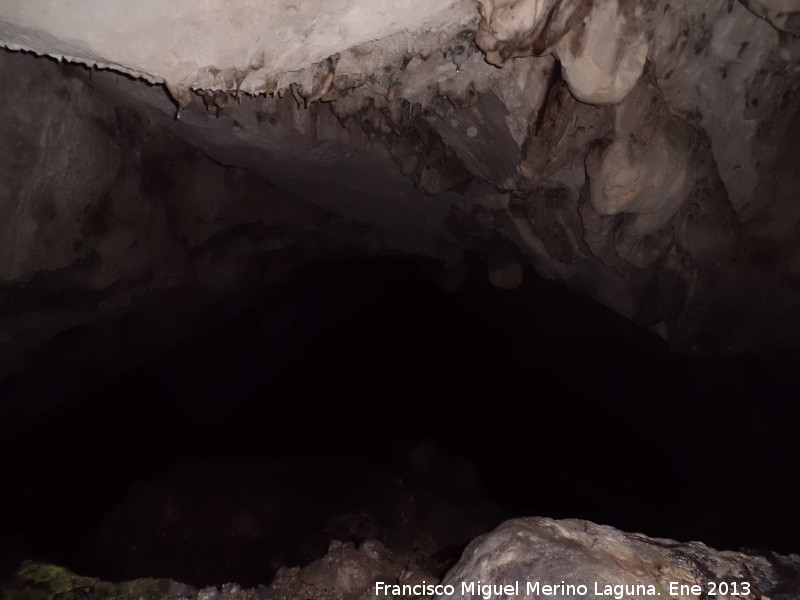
{"type": "Point", "coordinates": [397, 274]}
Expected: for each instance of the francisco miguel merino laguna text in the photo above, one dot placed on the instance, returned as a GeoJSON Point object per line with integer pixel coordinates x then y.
{"type": "Point", "coordinates": [487, 591]}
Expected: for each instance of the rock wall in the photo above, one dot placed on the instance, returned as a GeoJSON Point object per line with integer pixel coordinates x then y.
{"type": "Point", "coordinates": [637, 152]}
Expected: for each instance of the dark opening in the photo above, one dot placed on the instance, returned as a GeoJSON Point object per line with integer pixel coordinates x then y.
{"type": "Point", "coordinates": [363, 401]}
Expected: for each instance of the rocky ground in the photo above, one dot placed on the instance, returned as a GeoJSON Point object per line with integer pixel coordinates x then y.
{"type": "Point", "coordinates": [532, 550]}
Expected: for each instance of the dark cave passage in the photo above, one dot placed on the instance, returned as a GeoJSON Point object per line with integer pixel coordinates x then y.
{"type": "Point", "coordinates": [362, 401]}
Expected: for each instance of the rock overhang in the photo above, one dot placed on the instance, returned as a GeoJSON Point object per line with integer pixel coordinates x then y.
{"type": "Point", "coordinates": [608, 144]}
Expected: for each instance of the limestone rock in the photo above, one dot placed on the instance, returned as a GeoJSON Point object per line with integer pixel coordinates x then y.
{"type": "Point", "coordinates": [526, 550]}
{"type": "Point", "coordinates": [783, 15]}
{"type": "Point", "coordinates": [349, 572]}
{"type": "Point", "coordinates": [603, 55]}
{"type": "Point", "coordinates": [668, 126]}
{"type": "Point", "coordinates": [579, 552]}
{"type": "Point", "coordinates": [510, 28]}
{"type": "Point", "coordinates": [601, 45]}
{"type": "Point", "coordinates": [647, 171]}
{"type": "Point", "coordinates": [564, 129]}
{"type": "Point", "coordinates": [178, 44]}
{"type": "Point", "coordinates": [705, 57]}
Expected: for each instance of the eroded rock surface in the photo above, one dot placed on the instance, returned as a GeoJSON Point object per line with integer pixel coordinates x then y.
{"type": "Point", "coordinates": [582, 553]}
{"type": "Point", "coordinates": [521, 550]}
{"type": "Point", "coordinates": [641, 153]}
{"type": "Point", "coordinates": [181, 44]}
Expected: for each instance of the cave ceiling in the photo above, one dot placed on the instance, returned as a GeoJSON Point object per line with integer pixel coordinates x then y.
{"type": "Point", "coordinates": [641, 153]}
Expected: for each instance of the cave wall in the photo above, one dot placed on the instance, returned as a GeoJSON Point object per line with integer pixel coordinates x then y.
{"type": "Point", "coordinates": [104, 216]}
{"type": "Point", "coordinates": [640, 153]}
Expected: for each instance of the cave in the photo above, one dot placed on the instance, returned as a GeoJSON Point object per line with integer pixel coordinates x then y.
{"type": "Point", "coordinates": [306, 300]}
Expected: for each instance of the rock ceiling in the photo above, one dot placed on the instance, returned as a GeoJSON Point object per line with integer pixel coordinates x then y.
{"type": "Point", "coordinates": [643, 153]}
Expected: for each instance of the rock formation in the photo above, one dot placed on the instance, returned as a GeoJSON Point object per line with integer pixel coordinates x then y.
{"type": "Point", "coordinates": [612, 563]}
{"type": "Point", "coordinates": [539, 557]}
{"type": "Point", "coordinates": [640, 153]}
{"type": "Point", "coordinates": [162, 163]}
